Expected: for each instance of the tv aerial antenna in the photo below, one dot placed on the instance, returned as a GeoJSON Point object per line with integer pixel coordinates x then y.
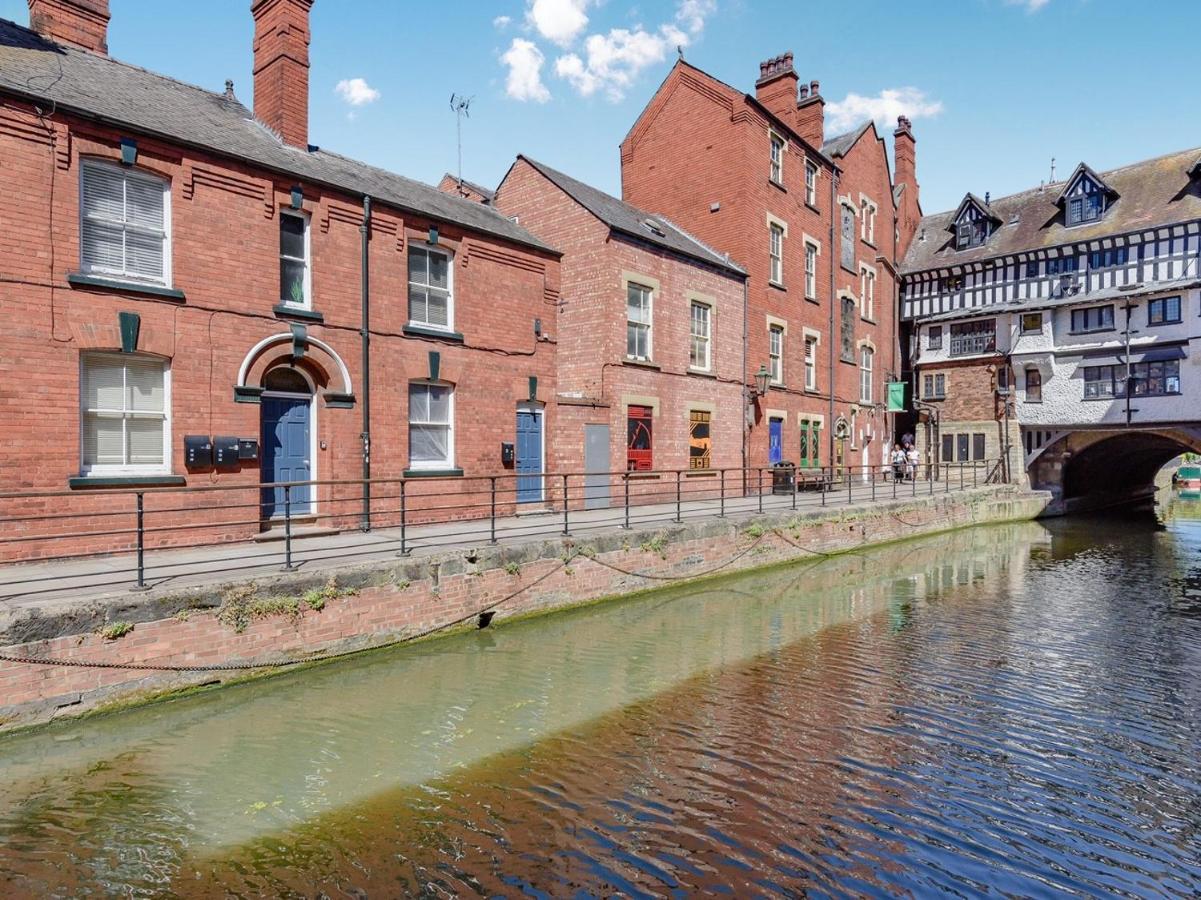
{"type": "Point", "coordinates": [461, 107]}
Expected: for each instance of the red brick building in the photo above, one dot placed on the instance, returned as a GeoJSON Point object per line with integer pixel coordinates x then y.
{"type": "Point", "coordinates": [649, 335]}
{"type": "Point", "coordinates": [176, 269]}
{"type": "Point", "coordinates": [818, 223]}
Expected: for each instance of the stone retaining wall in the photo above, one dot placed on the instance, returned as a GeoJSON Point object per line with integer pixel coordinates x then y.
{"type": "Point", "coordinates": [358, 607]}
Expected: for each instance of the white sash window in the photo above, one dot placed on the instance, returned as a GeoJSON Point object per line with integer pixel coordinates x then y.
{"type": "Point", "coordinates": [124, 224]}
{"type": "Point", "coordinates": [125, 406]}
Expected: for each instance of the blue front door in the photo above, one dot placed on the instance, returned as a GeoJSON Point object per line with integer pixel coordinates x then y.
{"type": "Point", "coordinates": [775, 441]}
{"type": "Point", "coordinates": [529, 456]}
{"type": "Point", "coordinates": [286, 445]}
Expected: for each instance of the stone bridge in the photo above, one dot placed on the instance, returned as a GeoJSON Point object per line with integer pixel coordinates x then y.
{"type": "Point", "coordinates": [1100, 467]}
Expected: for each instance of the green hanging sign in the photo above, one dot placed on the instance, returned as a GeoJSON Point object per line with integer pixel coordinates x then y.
{"type": "Point", "coordinates": [896, 396]}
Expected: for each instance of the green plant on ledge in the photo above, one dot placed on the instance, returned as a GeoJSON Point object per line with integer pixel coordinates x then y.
{"type": "Point", "coordinates": [754, 531]}
{"type": "Point", "coordinates": [240, 606]}
{"type": "Point", "coordinates": [512, 568]}
{"type": "Point", "coordinates": [116, 630]}
{"type": "Point", "coordinates": [656, 545]}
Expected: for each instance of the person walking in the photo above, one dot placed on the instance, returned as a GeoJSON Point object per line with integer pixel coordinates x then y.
{"type": "Point", "coordinates": [913, 459]}
{"type": "Point", "coordinates": [898, 463]}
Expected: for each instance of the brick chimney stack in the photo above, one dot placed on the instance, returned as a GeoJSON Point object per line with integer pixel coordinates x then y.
{"type": "Point", "coordinates": [281, 67]}
{"type": "Point", "coordinates": [811, 114]}
{"type": "Point", "coordinates": [905, 173]}
{"type": "Point", "coordinates": [777, 86]}
{"type": "Point", "coordinates": [80, 23]}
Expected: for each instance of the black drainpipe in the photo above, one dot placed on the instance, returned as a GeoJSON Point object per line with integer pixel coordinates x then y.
{"type": "Point", "coordinates": [365, 332]}
{"type": "Point", "coordinates": [835, 250]}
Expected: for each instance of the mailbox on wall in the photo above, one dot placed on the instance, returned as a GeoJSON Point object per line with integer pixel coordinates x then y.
{"type": "Point", "coordinates": [248, 449]}
{"type": "Point", "coordinates": [507, 454]}
{"type": "Point", "coordinates": [225, 452]}
{"type": "Point", "coordinates": [198, 451]}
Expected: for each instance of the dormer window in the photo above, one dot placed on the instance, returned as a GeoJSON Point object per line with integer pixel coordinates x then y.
{"type": "Point", "coordinates": [973, 223]}
{"type": "Point", "coordinates": [1085, 197]}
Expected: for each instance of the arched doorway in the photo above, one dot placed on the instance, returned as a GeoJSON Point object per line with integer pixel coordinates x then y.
{"type": "Point", "coordinates": [288, 433]}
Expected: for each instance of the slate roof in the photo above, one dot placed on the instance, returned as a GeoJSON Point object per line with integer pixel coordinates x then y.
{"type": "Point", "coordinates": [1151, 193]}
{"type": "Point", "coordinates": [838, 146]}
{"type": "Point", "coordinates": [629, 220]}
{"type": "Point", "coordinates": [141, 101]}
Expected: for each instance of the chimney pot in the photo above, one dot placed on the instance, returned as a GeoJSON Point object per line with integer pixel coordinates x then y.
{"type": "Point", "coordinates": [80, 23]}
{"type": "Point", "coordinates": [229, 88]}
{"type": "Point", "coordinates": [814, 88]}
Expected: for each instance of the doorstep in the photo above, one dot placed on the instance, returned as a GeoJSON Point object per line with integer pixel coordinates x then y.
{"type": "Point", "coordinates": [535, 509]}
{"type": "Point", "coordinates": [300, 529]}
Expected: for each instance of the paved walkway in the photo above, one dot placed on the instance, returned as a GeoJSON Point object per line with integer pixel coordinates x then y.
{"type": "Point", "coordinates": [39, 583]}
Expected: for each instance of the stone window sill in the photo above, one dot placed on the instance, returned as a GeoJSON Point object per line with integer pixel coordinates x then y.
{"type": "Point", "coordinates": [700, 474]}
{"type": "Point", "coordinates": [641, 364]}
{"type": "Point", "coordinates": [432, 473]}
{"type": "Point", "coordinates": [643, 476]}
{"type": "Point", "coordinates": [85, 482]}
{"type": "Point", "coordinates": [80, 280]}
{"type": "Point", "coordinates": [701, 373]}
{"type": "Point", "coordinates": [437, 334]}
{"type": "Point", "coordinates": [284, 311]}
{"type": "Point", "coordinates": [778, 285]}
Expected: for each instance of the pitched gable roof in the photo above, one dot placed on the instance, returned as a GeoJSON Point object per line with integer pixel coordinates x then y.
{"type": "Point", "coordinates": [487, 193]}
{"type": "Point", "coordinates": [633, 222]}
{"type": "Point", "coordinates": [983, 206]}
{"type": "Point", "coordinates": [128, 97]}
{"type": "Point", "coordinates": [1153, 192]}
{"type": "Point", "coordinates": [841, 145]}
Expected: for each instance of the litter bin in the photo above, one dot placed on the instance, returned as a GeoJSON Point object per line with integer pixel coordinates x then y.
{"type": "Point", "coordinates": [783, 478]}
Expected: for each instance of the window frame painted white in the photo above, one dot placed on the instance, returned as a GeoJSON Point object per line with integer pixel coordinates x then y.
{"type": "Point", "coordinates": [127, 173]}
{"type": "Point", "coordinates": [775, 355]}
{"type": "Point", "coordinates": [100, 470]}
{"type": "Point", "coordinates": [867, 292]}
{"type": "Point", "coordinates": [450, 287]}
{"type": "Point", "coordinates": [811, 175]}
{"type": "Point", "coordinates": [693, 337]}
{"type": "Point", "coordinates": [812, 251]}
{"type": "Point", "coordinates": [777, 147]}
{"type": "Point", "coordinates": [867, 360]}
{"type": "Point", "coordinates": [811, 343]}
{"type": "Point", "coordinates": [448, 464]}
{"type": "Point", "coordinates": [867, 225]}
{"type": "Point", "coordinates": [307, 303]}
{"type": "Point", "coordinates": [648, 325]}
{"type": "Point", "coordinates": [775, 252]}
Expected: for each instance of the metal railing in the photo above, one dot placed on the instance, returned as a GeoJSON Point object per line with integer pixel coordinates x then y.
{"type": "Point", "coordinates": [169, 534]}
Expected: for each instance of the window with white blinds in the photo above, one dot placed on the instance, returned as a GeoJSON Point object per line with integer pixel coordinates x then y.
{"type": "Point", "coordinates": [124, 223]}
{"type": "Point", "coordinates": [430, 289]}
{"type": "Point", "coordinates": [125, 407]}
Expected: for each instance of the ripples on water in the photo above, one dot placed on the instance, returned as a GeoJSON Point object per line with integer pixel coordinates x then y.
{"type": "Point", "coordinates": [1007, 711]}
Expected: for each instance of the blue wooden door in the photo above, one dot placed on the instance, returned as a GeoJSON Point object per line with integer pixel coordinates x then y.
{"type": "Point", "coordinates": [286, 444]}
{"type": "Point", "coordinates": [529, 456]}
{"type": "Point", "coordinates": [775, 441]}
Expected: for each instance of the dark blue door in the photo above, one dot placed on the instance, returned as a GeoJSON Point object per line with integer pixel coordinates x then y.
{"type": "Point", "coordinates": [775, 441]}
{"type": "Point", "coordinates": [529, 456]}
{"type": "Point", "coordinates": [285, 450]}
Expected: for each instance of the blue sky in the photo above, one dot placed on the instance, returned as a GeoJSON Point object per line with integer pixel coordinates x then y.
{"type": "Point", "coordinates": [995, 87]}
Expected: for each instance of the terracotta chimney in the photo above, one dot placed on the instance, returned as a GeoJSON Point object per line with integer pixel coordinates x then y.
{"type": "Point", "coordinates": [905, 173]}
{"type": "Point", "coordinates": [811, 115]}
{"type": "Point", "coordinates": [80, 23]}
{"type": "Point", "coordinates": [281, 67]}
{"type": "Point", "coordinates": [777, 86]}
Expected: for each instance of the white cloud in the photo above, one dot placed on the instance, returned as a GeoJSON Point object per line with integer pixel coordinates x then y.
{"type": "Point", "coordinates": [883, 108]}
{"type": "Point", "coordinates": [612, 61]}
{"type": "Point", "coordinates": [1032, 6]}
{"type": "Point", "coordinates": [500, 23]}
{"type": "Point", "coordinates": [559, 21]}
{"type": "Point", "coordinates": [356, 91]}
{"type": "Point", "coordinates": [524, 81]}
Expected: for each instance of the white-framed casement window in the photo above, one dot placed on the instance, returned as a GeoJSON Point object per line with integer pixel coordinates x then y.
{"type": "Point", "coordinates": [866, 358]}
{"type": "Point", "coordinates": [125, 223]}
{"type": "Point", "coordinates": [810, 363]}
{"type": "Point", "coordinates": [125, 414]}
{"type": "Point", "coordinates": [867, 220]}
{"type": "Point", "coordinates": [811, 183]}
{"type": "Point", "coordinates": [867, 292]}
{"type": "Point", "coordinates": [639, 312]}
{"type": "Point", "coordinates": [431, 288]}
{"type": "Point", "coordinates": [701, 329]}
{"type": "Point", "coordinates": [776, 251]}
{"type": "Point", "coordinates": [775, 353]}
{"type": "Point", "coordinates": [295, 284]}
{"type": "Point", "coordinates": [431, 426]}
{"type": "Point", "coordinates": [777, 159]}
{"type": "Point", "coordinates": [811, 270]}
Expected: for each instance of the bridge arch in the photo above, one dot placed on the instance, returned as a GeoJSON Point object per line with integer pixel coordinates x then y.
{"type": "Point", "coordinates": [1094, 469]}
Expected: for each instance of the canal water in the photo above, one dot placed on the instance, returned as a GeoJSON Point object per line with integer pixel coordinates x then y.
{"type": "Point", "coordinates": [1012, 710]}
